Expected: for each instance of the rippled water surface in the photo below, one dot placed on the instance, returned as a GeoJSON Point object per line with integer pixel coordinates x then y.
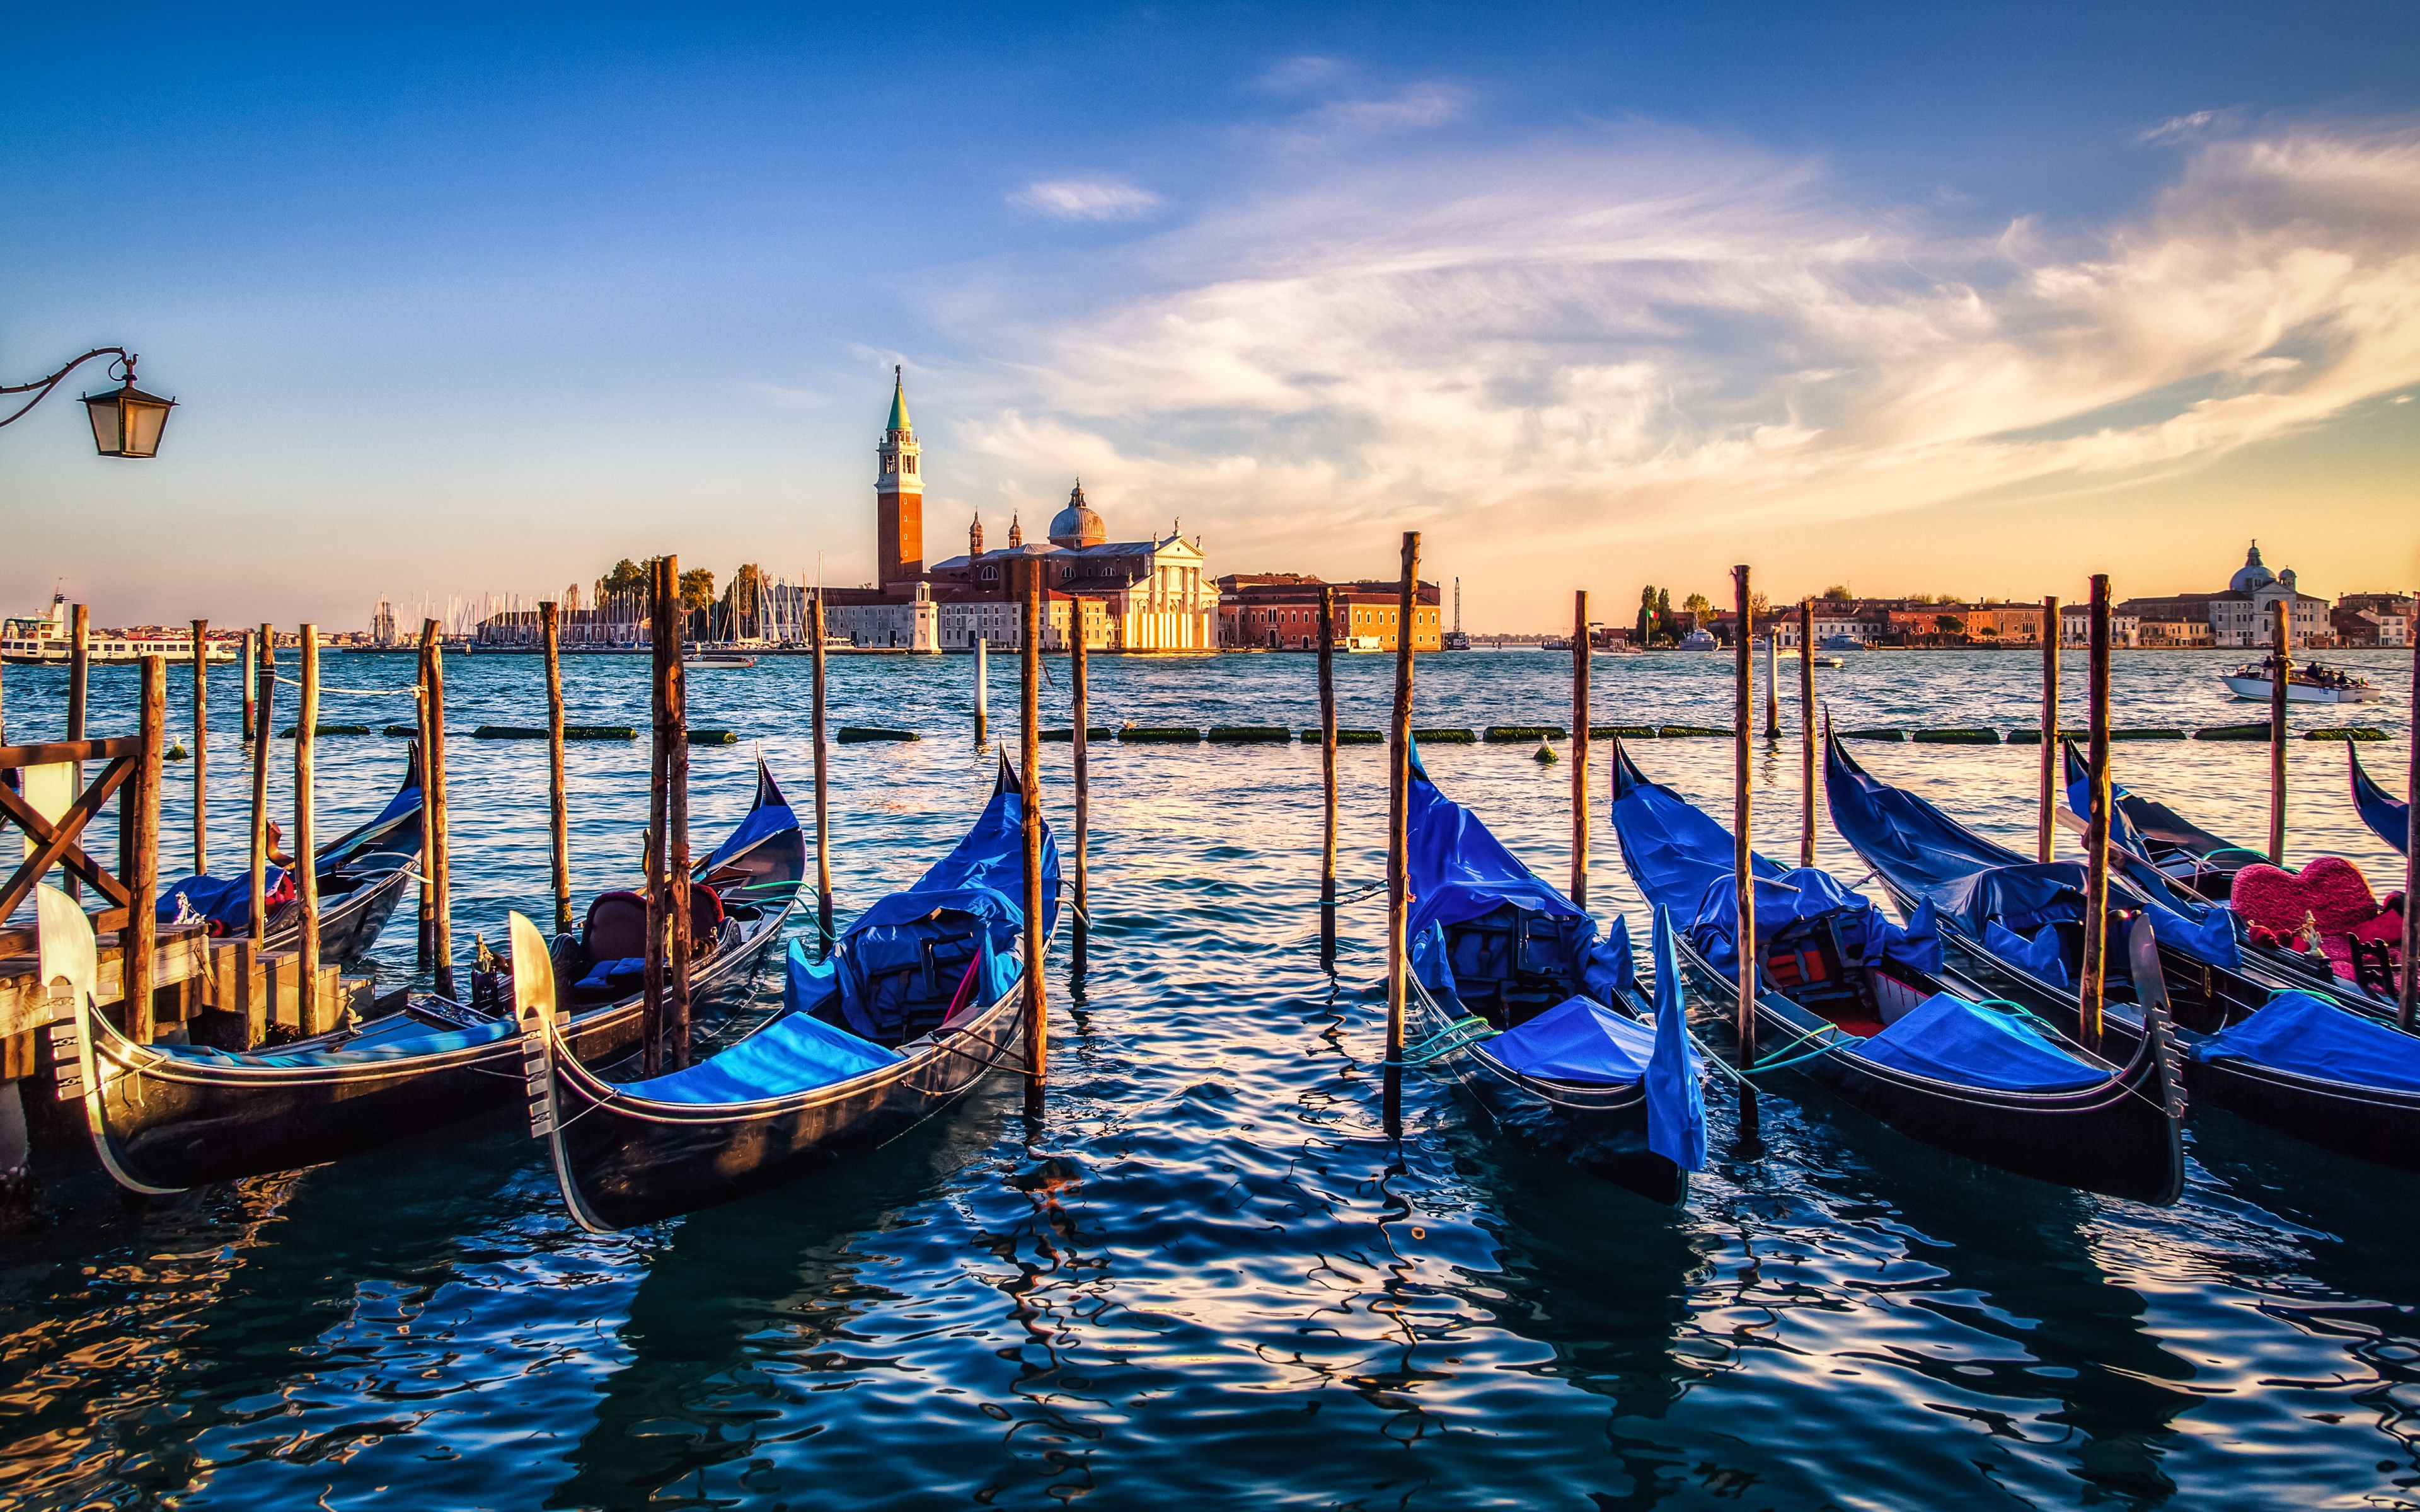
{"type": "Point", "coordinates": [1205, 1276]}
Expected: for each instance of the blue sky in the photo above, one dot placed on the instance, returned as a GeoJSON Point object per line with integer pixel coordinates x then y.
{"type": "Point", "coordinates": [478, 300]}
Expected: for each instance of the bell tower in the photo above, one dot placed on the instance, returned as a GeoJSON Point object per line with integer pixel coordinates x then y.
{"type": "Point", "coordinates": [898, 498]}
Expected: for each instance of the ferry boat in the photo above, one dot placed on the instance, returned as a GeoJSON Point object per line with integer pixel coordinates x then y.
{"type": "Point", "coordinates": [1453, 641]}
{"type": "Point", "coordinates": [2309, 683]}
{"type": "Point", "coordinates": [708, 660]}
{"type": "Point", "coordinates": [1697, 640]}
{"type": "Point", "coordinates": [49, 640]}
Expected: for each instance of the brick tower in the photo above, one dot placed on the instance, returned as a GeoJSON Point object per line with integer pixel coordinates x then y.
{"type": "Point", "coordinates": [898, 498]}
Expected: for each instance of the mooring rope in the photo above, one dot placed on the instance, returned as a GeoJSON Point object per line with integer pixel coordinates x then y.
{"type": "Point", "coordinates": [412, 691]}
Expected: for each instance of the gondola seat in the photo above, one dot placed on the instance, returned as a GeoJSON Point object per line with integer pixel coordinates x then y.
{"type": "Point", "coordinates": [1806, 961]}
{"type": "Point", "coordinates": [911, 1000]}
{"type": "Point", "coordinates": [1506, 967]}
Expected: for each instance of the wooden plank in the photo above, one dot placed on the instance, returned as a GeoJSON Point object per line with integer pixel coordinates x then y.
{"type": "Point", "coordinates": [183, 954]}
{"type": "Point", "coordinates": [71, 750]}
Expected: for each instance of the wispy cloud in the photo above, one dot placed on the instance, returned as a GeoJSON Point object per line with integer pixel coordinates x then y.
{"type": "Point", "coordinates": [1642, 332]}
{"type": "Point", "coordinates": [1085, 199]}
{"type": "Point", "coordinates": [1419, 105]}
{"type": "Point", "coordinates": [2199, 126]}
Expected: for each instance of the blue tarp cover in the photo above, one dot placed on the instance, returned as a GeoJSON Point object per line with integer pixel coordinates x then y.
{"type": "Point", "coordinates": [1950, 1040]}
{"type": "Point", "coordinates": [604, 974]}
{"type": "Point", "coordinates": [1973, 881]}
{"type": "Point", "coordinates": [2041, 955]}
{"type": "Point", "coordinates": [370, 1049]}
{"type": "Point", "coordinates": [2311, 1037]}
{"type": "Point", "coordinates": [225, 901]}
{"type": "Point", "coordinates": [1676, 1099]}
{"type": "Point", "coordinates": [794, 1053]}
{"type": "Point", "coordinates": [1682, 860]}
{"type": "Point", "coordinates": [1577, 1041]}
{"type": "Point", "coordinates": [765, 819]}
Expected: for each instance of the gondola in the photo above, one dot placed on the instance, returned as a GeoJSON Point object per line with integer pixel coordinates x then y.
{"type": "Point", "coordinates": [1538, 1018]}
{"type": "Point", "coordinates": [921, 996]}
{"type": "Point", "coordinates": [2388, 817]}
{"type": "Point", "coordinates": [2291, 1060]}
{"type": "Point", "coordinates": [361, 874]}
{"type": "Point", "coordinates": [163, 1116]}
{"type": "Point", "coordinates": [1862, 1006]}
{"type": "Point", "coordinates": [2198, 866]}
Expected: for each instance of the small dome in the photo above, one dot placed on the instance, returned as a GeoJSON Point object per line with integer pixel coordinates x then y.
{"type": "Point", "coordinates": [2252, 577]}
{"type": "Point", "coordinates": [1076, 525]}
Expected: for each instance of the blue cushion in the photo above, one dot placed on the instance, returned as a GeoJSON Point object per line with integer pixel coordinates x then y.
{"type": "Point", "coordinates": [601, 975]}
{"type": "Point", "coordinates": [1577, 1041]}
{"type": "Point", "coordinates": [794, 1053]}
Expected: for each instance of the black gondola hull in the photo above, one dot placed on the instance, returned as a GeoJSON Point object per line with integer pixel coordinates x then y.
{"type": "Point", "coordinates": [2366, 1123]}
{"type": "Point", "coordinates": [1601, 1131]}
{"type": "Point", "coordinates": [624, 1164]}
{"type": "Point", "coordinates": [2122, 1139]}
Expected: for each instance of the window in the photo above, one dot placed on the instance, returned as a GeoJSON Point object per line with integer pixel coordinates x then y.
{"type": "Point", "coordinates": [912, 464]}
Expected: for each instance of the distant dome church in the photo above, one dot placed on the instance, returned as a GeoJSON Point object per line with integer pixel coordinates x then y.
{"type": "Point", "coordinates": [1076, 525]}
{"type": "Point", "coordinates": [2252, 577]}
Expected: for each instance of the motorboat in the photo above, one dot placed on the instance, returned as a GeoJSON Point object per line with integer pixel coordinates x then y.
{"type": "Point", "coordinates": [2308, 683]}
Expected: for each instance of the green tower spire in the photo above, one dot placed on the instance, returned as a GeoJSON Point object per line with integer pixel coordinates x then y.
{"type": "Point", "coordinates": [898, 400]}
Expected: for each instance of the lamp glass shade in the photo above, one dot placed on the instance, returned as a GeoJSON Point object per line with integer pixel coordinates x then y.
{"type": "Point", "coordinates": [127, 422]}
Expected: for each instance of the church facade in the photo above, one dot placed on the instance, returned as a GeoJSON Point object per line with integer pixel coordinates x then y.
{"type": "Point", "coordinates": [1148, 594]}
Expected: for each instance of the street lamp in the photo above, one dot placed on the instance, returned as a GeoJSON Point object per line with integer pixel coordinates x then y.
{"type": "Point", "coordinates": [126, 422]}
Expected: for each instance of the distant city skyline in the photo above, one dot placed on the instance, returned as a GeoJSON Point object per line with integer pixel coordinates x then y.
{"type": "Point", "coordinates": [1906, 301]}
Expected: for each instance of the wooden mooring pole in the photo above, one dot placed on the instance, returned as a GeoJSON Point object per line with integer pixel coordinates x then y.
{"type": "Point", "coordinates": [2052, 760]}
{"type": "Point", "coordinates": [982, 687]}
{"type": "Point", "coordinates": [250, 652]}
{"type": "Point", "coordinates": [436, 856]}
{"type": "Point", "coordinates": [1081, 697]}
{"type": "Point", "coordinates": [558, 806]}
{"type": "Point", "coordinates": [823, 810]}
{"type": "Point", "coordinates": [676, 878]}
{"type": "Point", "coordinates": [141, 936]}
{"type": "Point", "coordinates": [1037, 1023]}
{"type": "Point", "coordinates": [1743, 872]}
{"type": "Point", "coordinates": [306, 872]}
{"type": "Point", "coordinates": [1580, 705]}
{"type": "Point", "coordinates": [1806, 731]}
{"type": "Point", "coordinates": [201, 747]}
{"type": "Point", "coordinates": [2281, 637]}
{"type": "Point", "coordinates": [651, 1022]}
{"type": "Point", "coordinates": [265, 710]}
{"type": "Point", "coordinates": [1327, 776]}
{"type": "Point", "coordinates": [2404, 1004]}
{"type": "Point", "coordinates": [1399, 782]}
{"type": "Point", "coordinates": [1772, 685]}
{"type": "Point", "coordinates": [79, 679]}
{"type": "Point", "coordinates": [2094, 987]}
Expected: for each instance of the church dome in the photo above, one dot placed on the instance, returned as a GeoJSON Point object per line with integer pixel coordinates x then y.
{"type": "Point", "coordinates": [1076, 525]}
{"type": "Point", "coordinates": [2252, 577]}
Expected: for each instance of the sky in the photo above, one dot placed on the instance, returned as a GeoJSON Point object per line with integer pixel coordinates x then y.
{"type": "Point", "coordinates": [1966, 301]}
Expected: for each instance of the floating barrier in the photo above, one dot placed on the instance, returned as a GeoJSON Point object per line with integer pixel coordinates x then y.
{"type": "Point", "coordinates": [1956, 737]}
{"type": "Point", "coordinates": [1160, 735]}
{"type": "Point", "coordinates": [1690, 732]}
{"type": "Point", "coordinates": [402, 731]}
{"type": "Point", "coordinates": [1874, 735]}
{"type": "Point", "coordinates": [2233, 731]}
{"type": "Point", "coordinates": [1445, 737]}
{"type": "Point", "coordinates": [1349, 738]}
{"type": "Point", "coordinates": [1622, 731]}
{"type": "Point", "coordinates": [714, 737]}
{"type": "Point", "coordinates": [1068, 736]}
{"type": "Point", "coordinates": [858, 735]}
{"type": "Point", "coordinates": [2348, 732]}
{"type": "Point", "coordinates": [1521, 734]}
{"type": "Point", "coordinates": [2146, 735]}
{"type": "Point", "coordinates": [523, 732]}
{"type": "Point", "coordinates": [2025, 737]}
{"type": "Point", "coordinates": [319, 731]}
{"type": "Point", "coordinates": [1245, 734]}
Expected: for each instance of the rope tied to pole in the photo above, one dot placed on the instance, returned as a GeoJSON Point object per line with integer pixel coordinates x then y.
{"type": "Point", "coordinates": [412, 692]}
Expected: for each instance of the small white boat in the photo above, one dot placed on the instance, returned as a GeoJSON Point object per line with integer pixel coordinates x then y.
{"type": "Point", "coordinates": [716, 660]}
{"type": "Point", "coordinates": [1842, 642]}
{"type": "Point", "coordinates": [1697, 640]}
{"type": "Point", "coordinates": [2310, 682]}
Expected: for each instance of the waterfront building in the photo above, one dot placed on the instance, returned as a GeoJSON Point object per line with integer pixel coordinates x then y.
{"type": "Point", "coordinates": [2373, 620]}
{"type": "Point", "coordinates": [2242, 614]}
{"type": "Point", "coordinates": [909, 624]}
{"type": "Point", "coordinates": [2075, 625]}
{"type": "Point", "coordinates": [1280, 611]}
{"type": "Point", "coordinates": [1151, 594]}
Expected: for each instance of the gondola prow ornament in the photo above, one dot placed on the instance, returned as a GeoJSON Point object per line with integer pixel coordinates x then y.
{"type": "Point", "coordinates": [69, 963]}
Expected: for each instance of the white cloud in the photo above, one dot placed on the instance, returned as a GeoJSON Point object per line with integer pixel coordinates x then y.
{"type": "Point", "coordinates": [1419, 105]}
{"type": "Point", "coordinates": [1085, 199]}
{"type": "Point", "coordinates": [2199, 125]}
{"type": "Point", "coordinates": [1643, 331]}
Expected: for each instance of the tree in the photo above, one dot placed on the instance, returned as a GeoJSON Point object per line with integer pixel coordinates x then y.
{"type": "Point", "coordinates": [1664, 613]}
{"type": "Point", "coordinates": [697, 588]}
{"type": "Point", "coordinates": [1919, 598]}
{"type": "Point", "coordinates": [1697, 604]}
{"type": "Point", "coordinates": [627, 576]}
{"type": "Point", "coordinates": [1838, 593]}
{"type": "Point", "coordinates": [1948, 623]}
{"type": "Point", "coordinates": [1646, 615]}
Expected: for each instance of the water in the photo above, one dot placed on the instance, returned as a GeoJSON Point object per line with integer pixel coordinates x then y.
{"type": "Point", "coordinates": [1205, 1277]}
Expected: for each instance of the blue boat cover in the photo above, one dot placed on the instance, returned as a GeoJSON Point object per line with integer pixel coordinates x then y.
{"type": "Point", "coordinates": [1973, 881]}
{"type": "Point", "coordinates": [372, 1047]}
{"type": "Point", "coordinates": [2312, 1037]}
{"type": "Point", "coordinates": [1577, 1041]}
{"type": "Point", "coordinates": [1949, 1040]}
{"type": "Point", "coordinates": [764, 820]}
{"type": "Point", "coordinates": [226, 901]}
{"type": "Point", "coordinates": [2041, 955]}
{"type": "Point", "coordinates": [1676, 1100]}
{"type": "Point", "coordinates": [1680, 858]}
{"type": "Point", "coordinates": [1458, 871]}
{"type": "Point", "coordinates": [793, 1053]}
{"type": "Point", "coordinates": [2387, 819]}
